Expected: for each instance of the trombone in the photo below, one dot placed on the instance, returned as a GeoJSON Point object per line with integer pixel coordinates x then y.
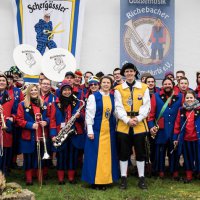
{"type": "Point", "coordinates": [38, 118]}
{"type": "Point", "coordinates": [3, 127]}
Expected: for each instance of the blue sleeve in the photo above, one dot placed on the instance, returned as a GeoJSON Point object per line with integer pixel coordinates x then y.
{"type": "Point", "coordinates": [151, 124]}
{"type": "Point", "coordinates": [53, 132]}
{"type": "Point", "coordinates": [29, 125]}
{"type": "Point", "coordinates": [38, 27]}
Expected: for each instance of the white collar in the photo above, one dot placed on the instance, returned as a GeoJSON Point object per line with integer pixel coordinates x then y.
{"type": "Point", "coordinates": [103, 94]}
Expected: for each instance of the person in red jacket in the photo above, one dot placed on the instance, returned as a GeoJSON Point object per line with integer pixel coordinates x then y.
{"type": "Point", "coordinates": [32, 118]}
{"type": "Point", "coordinates": [197, 90]}
{"type": "Point", "coordinates": [16, 96]}
{"type": "Point", "coordinates": [6, 120]}
{"type": "Point", "coordinates": [187, 134]}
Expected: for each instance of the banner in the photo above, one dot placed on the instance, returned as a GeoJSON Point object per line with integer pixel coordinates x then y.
{"type": "Point", "coordinates": [147, 35]}
{"type": "Point", "coordinates": [47, 24]}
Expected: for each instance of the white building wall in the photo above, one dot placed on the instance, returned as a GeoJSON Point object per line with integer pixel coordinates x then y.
{"type": "Point", "coordinates": [100, 41]}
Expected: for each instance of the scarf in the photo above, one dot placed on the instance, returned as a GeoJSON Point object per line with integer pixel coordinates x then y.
{"type": "Point", "coordinates": [192, 106]}
{"type": "Point", "coordinates": [131, 85]}
{"type": "Point", "coordinates": [35, 101]}
{"type": "Point", "coordinates": [65, 101]}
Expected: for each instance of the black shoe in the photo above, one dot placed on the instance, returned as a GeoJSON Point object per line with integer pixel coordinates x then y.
{"type": "Point", "coordinates": [44, 183]}
{"type": "Point", "coordinates": [186, 181]}
{"type": "Point", "coordinates": [46, 177]}
{"type": "Point", "coordinates": [141, 184]}
{"type": "Point", "coordinates": [93, 186]}
{"type": "Point", "coordinates": [101, 187]}
{"type": "Point", "coordinates": [123, 184]}
{"type": "Point", "coordinates": [177, 178]}
{"type": "Point", "coordinates": [29, 183]}
{"type": "Point", "coordinates": [61, 183]}
{"type": "Point", "coordinates": [73, 182]}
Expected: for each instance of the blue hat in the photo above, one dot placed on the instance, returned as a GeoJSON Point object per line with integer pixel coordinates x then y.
{"type": "Point", "coordinates": [93, 79]}
{"type": "Point", "coordinates": [64, 85]}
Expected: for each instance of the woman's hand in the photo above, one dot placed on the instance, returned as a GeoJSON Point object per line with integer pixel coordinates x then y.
{"type": "Point", "coordinates": [10, 118]}
{"type": "Point", "coordinates": [53, 139]}
{"type": "Point", "coordinates": [91, 136]}
{"type": "Point", "coordinates": [35, 126]}
{"type": "Point", "coordinates": [176, 143]}
{"type": "Point", "coordinates": [43, 123]}
{"type": "Point", "coordinates": [78, 115]}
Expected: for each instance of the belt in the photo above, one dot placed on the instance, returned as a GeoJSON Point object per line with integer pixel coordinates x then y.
{"type": "Point", "coordinates": [132, 114]}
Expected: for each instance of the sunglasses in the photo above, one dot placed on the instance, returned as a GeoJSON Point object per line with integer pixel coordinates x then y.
{"type": "Point", "coordinates": [93, 84]}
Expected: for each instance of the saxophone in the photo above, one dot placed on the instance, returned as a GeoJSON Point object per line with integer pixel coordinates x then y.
{"type": "Point", "coordinates": [66, 131]}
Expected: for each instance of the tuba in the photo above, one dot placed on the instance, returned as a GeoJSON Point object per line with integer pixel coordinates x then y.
{"type": "Point", "coordinates": [67, 130]}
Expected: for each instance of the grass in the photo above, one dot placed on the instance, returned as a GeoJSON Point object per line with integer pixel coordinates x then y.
{"type": "Point", "coordinates": [157, 189]}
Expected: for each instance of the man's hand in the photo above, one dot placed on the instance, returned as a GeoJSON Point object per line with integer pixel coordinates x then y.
{"type": "Point", "coordinates": [133, 121]}
{"type": "Point", "coordinates": [154, 130]}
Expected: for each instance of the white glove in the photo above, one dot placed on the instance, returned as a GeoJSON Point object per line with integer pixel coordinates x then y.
{"type": "Point", "coordinates": [45, 31]}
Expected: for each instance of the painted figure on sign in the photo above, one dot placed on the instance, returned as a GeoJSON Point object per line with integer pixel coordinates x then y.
{"type": "Point", "coordinates": [44, 35]}
{"type": "Point", "coordinates": [157, 40]}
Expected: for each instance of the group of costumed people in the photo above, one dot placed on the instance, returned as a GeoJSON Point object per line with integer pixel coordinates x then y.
{"type": "Point", "coordinates": [109, 118]}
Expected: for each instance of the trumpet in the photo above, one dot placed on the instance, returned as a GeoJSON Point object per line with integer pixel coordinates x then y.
{"type": "Point", "coordinates": [3, 124]}
{"type": "Point", "coordinates": [3, 127]}
{"type": "Point", "coordinates": [38, 117]}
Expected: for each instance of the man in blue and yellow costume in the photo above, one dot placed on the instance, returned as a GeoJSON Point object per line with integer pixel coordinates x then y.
{"type": "Point", "coordinates": [132, 103]}
{"type": "Point", "coordinates": [44, 37]}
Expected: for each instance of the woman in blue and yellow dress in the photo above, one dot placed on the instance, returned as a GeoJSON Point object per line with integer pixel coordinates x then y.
{"type": "Point", "coordinates": [100, 165]}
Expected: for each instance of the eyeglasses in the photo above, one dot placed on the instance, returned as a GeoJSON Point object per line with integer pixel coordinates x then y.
{"type": "Point", "coordinates": [93, 84]}
{"type": "Point", "coordinates": [45, 84]}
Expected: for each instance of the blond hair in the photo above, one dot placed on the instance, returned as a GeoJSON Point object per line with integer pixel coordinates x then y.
{"type": "Point", "coordinates": [27, 99]}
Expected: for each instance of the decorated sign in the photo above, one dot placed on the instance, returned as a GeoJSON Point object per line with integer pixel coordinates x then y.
{"type": "Point", "coordinates": [47, 24]}
{"type": "Point", "coordinates": [147, 35]}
